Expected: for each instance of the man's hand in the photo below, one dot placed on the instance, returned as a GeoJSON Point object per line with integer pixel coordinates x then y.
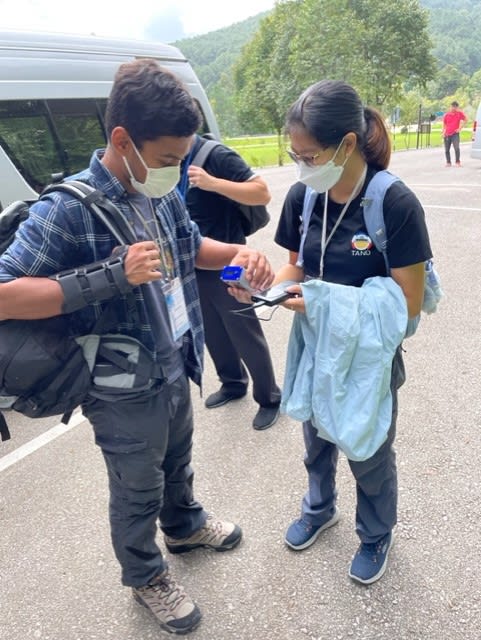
{"type": "Point", "coordinates": [257, 269]}
{"type": "Point", "coordinates": [201, 179]}
{"type": "Point", "coordinates": [142, 263]}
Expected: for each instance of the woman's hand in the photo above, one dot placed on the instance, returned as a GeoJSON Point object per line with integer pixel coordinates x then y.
{"type": "Point", "coordinates": [296, 303]}
{"type": "Point", "coordinates": [240, 294]}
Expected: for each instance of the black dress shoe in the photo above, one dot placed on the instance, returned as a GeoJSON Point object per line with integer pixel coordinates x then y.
{"type": "Point", "coordinates": [266, 417]}
{"type": "Point", "coordinates": [222, 397]}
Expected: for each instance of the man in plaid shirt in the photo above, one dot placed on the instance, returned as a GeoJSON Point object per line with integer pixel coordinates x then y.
{"type": "Point", "coordinates": [64, 262]}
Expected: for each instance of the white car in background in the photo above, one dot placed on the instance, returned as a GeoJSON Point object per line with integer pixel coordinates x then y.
{"type": "Point", "coordinates": [476, 146]}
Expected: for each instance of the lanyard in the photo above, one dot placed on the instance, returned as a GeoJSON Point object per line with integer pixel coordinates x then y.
{"type": "Point", "coordinates": [167, 263]}
{"type": "Point", "coordinates": [325, 240]}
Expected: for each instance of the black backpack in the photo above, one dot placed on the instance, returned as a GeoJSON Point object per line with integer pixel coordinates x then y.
{"type": "Point", "coordinates": [253, 217]}
{"type": "Point", "coordinates": [43, 370]}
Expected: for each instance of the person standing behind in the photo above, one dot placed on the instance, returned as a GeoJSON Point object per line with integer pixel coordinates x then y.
{"type": "Point", "coordinates": [234, 340]}
{"type": "Point", "coordinates": [453, 121]}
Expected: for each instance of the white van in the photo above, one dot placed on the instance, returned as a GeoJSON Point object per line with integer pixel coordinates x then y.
{"type": "Point", "coordinates": [53, 93]}
{"type": "Point", "coordinates": [476, 146]}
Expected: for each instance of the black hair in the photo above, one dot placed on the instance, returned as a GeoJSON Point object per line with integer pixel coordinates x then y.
{"type": "Point", "coordinates": [454, 103]}
{"type": "Point", "coordinates": [329, 109]}
{"type": "Point", "coordinates": [149, 102]}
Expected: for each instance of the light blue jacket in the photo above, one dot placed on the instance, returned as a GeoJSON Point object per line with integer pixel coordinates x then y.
{"type": "Point", "coordinates": [339, 360]}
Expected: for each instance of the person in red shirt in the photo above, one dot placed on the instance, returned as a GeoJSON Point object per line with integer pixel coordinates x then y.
{"type": "Point", "coordinates": [453, 121]}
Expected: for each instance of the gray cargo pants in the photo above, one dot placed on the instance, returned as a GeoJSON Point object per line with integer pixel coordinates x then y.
{"type": "Point", "coordinates": [146, 442]}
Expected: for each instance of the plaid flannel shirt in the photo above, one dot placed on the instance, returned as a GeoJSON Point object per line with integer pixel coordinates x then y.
{"type": "Point", "coordinates": [60, 233]}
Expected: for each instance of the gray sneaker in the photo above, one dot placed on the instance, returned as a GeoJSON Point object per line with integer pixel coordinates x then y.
{"type": "Point", "coordinates": [173, 609]}
{"type": "Point", "coordinates": [215, 534]}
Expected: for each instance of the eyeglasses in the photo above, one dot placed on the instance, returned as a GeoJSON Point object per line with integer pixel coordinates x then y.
{"type": "Point", "coordinates": [310, 161]}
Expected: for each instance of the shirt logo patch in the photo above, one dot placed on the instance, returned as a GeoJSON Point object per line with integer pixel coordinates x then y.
{"type": "Point", "coordinates": [361, 244]}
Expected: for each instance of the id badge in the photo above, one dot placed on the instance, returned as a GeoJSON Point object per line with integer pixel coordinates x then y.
{"type": "Point", "coordinates": [174, 298]}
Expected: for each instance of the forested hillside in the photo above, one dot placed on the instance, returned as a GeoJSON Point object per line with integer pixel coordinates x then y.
{"type": "Point", "coordinates": [212, 55]}
{"type": "Point", "coordinates": [455, 34]}
{"type": "Point", "coordinates": [214, 52]}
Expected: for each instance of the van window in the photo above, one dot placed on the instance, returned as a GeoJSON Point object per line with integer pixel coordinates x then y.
{"type": "Point", "coordinates": [43, 137]}
{"type": "Point", "coordinates": [56, 136]}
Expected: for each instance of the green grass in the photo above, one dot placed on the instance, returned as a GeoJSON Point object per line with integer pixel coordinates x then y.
{"type": "Point", "coordinates": [262, 151]}
{"type": "Point", "coordinates": [258, 151]}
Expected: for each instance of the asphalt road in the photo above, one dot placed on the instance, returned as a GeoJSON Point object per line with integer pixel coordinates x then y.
{"type": "Point", "coordinates": [60, 581]}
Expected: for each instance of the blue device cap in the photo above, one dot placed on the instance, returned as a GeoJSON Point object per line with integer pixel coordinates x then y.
{"type": "Point", "coordinates": [231, 272]}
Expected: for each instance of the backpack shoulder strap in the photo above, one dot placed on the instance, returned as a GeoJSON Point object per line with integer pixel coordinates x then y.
{"type": "Point", "coordinates": [203, 153]}
{"type": "Point", "coordinates": [372, 205]}
{"type": "Point", "coordinates": [99, 205]}
{"type": "Point", "coordinates": [197, 160]}
{"type": "Point", "coordinates": [310, 197]}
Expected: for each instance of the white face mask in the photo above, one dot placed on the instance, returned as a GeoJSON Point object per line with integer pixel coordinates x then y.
{"type": "Point", "coordinates": [323, 177]}
{"type": "Point", "coordinates": [158, 182]}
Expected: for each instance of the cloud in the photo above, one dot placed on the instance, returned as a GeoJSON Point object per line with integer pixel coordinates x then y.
{"type": "Point", "coordinates": [164, 20]}
{"type": "Point", "coordinates": [166, 26]}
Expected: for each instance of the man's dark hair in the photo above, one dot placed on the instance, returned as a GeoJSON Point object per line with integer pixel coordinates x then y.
{"type": "Point", "coordinates": [455, 104]}
{"type": "Point", "coordinates": [149, 102]}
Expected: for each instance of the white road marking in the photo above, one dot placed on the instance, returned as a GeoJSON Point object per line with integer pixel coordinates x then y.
{"type": "Point", "coordinates": [35, 444]}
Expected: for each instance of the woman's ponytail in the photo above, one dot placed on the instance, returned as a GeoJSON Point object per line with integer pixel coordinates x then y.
{"type": "Point", "coordinates": [377, 142]}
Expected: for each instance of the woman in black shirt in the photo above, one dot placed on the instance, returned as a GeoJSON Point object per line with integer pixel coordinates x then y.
{"type": "Point", "coordinates": [339, 145]}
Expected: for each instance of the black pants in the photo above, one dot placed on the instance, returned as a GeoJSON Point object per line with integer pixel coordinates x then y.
{"type": "Point", "coordinates": [234, 339]}
{"type": "Point", "coordinates": [452, 140]}
{"type": "Point", "coordinates": [147, 446]}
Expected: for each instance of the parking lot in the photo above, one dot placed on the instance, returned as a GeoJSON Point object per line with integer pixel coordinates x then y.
{"type": "Point", "coordinates": [59, 579]}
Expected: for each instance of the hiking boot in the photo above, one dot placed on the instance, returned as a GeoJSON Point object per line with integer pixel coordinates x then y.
{"type": "Point", "coordinates": [301, 534]}
{"type": "Point", "coordinates": [222, 397]}
{"type": "Point", "coordinates": [215, 534]}
{"type": "Point", "coordinates": [370, 561]}
{"type": "Point", "coordinates": [167, 601]}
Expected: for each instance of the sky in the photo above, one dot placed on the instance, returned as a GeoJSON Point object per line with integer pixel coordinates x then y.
{"type": "Point", "coordinates": [161, 20]}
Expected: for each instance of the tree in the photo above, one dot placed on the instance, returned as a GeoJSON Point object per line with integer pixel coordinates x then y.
{"type": "Point", "coordinates": [373, 45]}
{"type": "Point", "coordinates": [265, 87]}
{"type": "Point", "coordinates": [394, 47]}
{"type": "Point", "coordinates": [473, 87]}
{"type": "Point", "coordinates": [448, 80]}
{"type": "Point", "coordinates": [322, 46]}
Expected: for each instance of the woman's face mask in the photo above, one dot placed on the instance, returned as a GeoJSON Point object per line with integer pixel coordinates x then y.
{"type": "Point", "coordinates": [323, 177]}
{"type": "Point", "coordinates": [158, 182]}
